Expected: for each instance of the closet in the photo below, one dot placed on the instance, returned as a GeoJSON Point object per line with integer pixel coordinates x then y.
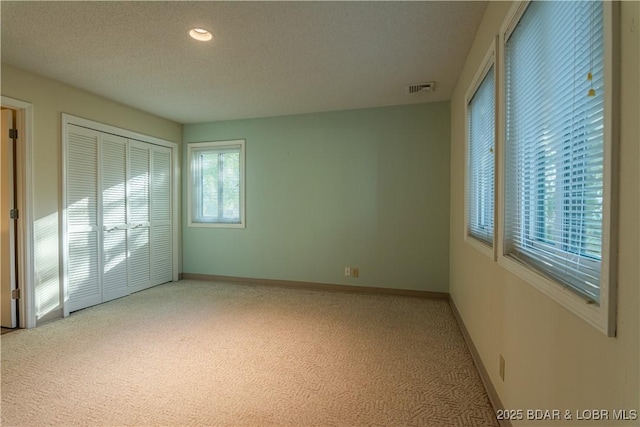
{"type": "Point", "coordinates": [118, 218]}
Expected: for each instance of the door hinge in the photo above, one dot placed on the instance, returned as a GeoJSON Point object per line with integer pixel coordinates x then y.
{"type": "Point", "coordinates": [15, 294]}
{"type": "Point", "coordinates": [13, 133]}
{"type": "Point", "coordinates": [14, 213]}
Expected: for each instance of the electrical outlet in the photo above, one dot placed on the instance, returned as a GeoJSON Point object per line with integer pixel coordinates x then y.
{"type": "Point", "coordinates": [354, 272]}
{"type": "Point", "coordinates": [347, 271]}
{"type": "Point", "coordinates": [501, 372]}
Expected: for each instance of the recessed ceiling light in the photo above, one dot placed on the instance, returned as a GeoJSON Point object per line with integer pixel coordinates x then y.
{"type": "Point", "coordinates": [200, 34]}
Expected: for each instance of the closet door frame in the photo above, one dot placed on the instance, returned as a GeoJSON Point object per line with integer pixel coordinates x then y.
{"type": "Point", "coordinates": [68, 119]}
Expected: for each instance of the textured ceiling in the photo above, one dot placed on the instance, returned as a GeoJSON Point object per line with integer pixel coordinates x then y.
{"type": "Point", "coordinates": [266, 59]}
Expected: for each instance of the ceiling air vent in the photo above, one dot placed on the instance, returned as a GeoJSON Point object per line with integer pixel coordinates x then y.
{"type": "Point", "coordinates": [421, 87]}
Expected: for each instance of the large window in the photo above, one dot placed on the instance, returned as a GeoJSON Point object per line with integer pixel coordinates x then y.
{"type": "Point", "coordinates": [480, 155]}
{"type": "Point", "coordinates": [216, 190]}
{"type": "Point", "coordinates": [555, 199]}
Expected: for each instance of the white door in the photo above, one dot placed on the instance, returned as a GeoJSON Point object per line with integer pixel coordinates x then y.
{"type": "Point", "coordinates": [113, 161]}
{"type": "Point", "coordinates": [118, 227]}
{"type": "Point", "coordinates": [161, 232]}
{"type": "Point", "coordinates": [138, 202]}
{"type": "Point", "coordinates": [7, 225]}
{"type": "Point", "coordinates": [83, 267]}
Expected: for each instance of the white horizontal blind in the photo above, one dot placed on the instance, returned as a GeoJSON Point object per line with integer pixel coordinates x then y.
{"type": "Point", "coordinates": [554, 142]}
{"type": "Point", "coordinates": [216, 185]}
{"type": "Point", "coordinates": [481, 140]}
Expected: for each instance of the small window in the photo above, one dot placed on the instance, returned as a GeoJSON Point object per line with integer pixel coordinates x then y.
{"type": "Point", "coordinates": [481, 117]}
{"type": "Point", "coordinates": [216, 187]}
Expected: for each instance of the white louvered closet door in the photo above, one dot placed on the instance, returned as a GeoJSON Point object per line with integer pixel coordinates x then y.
{"type": "Point", "coordinates": [113, 161]}
{"type": "Point", "coordinates": [138, 201]}
{"type": "Point", "coordinates": [117, 217]}
{"type": "Point", "coordinates": [161, 233]}
{"type": "Point", "coordinates": [82, 219]}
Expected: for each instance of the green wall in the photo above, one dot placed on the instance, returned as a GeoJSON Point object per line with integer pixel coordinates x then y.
{"type": "Point", "coordinates": [362, 188]}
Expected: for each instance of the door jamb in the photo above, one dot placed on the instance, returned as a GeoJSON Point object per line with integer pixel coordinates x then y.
{"type": "Point", "coordinates": [24, 187]}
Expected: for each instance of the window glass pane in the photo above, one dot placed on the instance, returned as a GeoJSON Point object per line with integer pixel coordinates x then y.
{"type": "Point", "coordinates": [231, 184]}
{"type": "Point", "coordinates": [554, 142]}
{"type": "Point", "coordinates": [209, 161]}
{"type": "Point", "coordinates": [481, 134]}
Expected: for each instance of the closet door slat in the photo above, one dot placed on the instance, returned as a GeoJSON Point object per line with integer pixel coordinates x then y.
{"type": "Point", "coordinates": [83, 225]}
{"type": "Point", "coordinates": [139, 216]}
{"type": "Point", "coordinates": [114, 216]}
{"type": "Point", "coordinates": [161, 235]}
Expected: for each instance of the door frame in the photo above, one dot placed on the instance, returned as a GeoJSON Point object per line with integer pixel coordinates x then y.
{"type": "Point", "coordinates": [68, 119]}
{"type": "Point", "coordinates": [24, 188]}
{"type": "Point", "coordinates": [9, 307]}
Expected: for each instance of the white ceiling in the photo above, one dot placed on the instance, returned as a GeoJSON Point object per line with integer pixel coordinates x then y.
{"type": "Point", "coordinates": [266, 59]}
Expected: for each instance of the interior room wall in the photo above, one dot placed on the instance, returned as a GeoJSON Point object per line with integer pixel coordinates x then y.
{"type": "Point", "coordinates": [50, 99]}
{"type": "Point", "coordinates": [363, 188]}
{"type": "Point", "coordinates": [554, 360]}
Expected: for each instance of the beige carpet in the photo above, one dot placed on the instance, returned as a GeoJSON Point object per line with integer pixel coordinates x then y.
{"type": "Point", "coordinates": [198, 353]}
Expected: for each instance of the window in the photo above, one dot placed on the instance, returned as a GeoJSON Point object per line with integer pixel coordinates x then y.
{"type": "Point", "coordinates": [556, 199]}
{"type": "Point", "coordinates": [481, 116]}
{"type": "Point", "coordinates": [216, 188]}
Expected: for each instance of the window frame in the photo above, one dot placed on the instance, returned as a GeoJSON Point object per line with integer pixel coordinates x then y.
{"type": "Point", "coordinates": [602, 316]}
{"type": "Point", "coordinates": [215, 146]}
{"type": "Point", "coordinates": [488, 61]}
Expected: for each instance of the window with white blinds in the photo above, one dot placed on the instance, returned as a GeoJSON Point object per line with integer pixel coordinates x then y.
{"type": "Point", "coordinates": [216, 190]}
{"type": "Point", "coordinates": [554, 143]}
{"type": "Point", "coordinates": [481, 164]}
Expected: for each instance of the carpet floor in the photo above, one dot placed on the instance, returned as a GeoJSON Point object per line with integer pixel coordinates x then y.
{"type": "Point", "coordinates": [202, 353]}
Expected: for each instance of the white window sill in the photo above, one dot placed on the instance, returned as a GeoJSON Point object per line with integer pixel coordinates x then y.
{"type": "Point", "coordinates": [215, 225]}
{"type": "Point", "coordinates": [595, 314]}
